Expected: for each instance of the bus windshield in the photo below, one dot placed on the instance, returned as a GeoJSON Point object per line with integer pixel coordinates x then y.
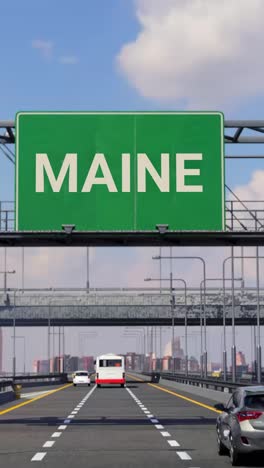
{"type": "Point", "coordinates": [110, 363]}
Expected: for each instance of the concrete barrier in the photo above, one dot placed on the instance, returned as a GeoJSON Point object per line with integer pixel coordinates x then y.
{"type": "Point", "coordinates": [214, 395]}
{"type": "Point", "coordinates": [7, 395]}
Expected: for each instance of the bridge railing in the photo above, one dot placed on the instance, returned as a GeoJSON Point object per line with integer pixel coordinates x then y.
{"type": "Point", "coordinates": [214, 383]}
{"type": "Point", "coordinates": [240, 215]}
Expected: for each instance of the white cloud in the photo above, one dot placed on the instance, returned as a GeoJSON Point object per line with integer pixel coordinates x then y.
{"type": "Point", "coordinates": [203, 53]}
{"type": "Point", "coordinates": [44, 47]}
{"type": "Point", "coordinates": [254, 189]}
{"type": "Point", "coordinates": [68, 60]}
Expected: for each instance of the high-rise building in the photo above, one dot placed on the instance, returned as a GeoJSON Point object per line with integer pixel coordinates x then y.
{"type": "Point", "coordinates": [1, 350]}
{"type": "Point", "coordinates": [240, 359]}
{"type": "Point", "coordinates": [87, 363]}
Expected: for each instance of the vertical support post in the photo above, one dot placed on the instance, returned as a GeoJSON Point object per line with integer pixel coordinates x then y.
{"type": "Point", "coordinates": [160, 353]}
{"type": "Point", "coordinates": [24, 355]}
{"type": "Point", "coordinates": [172, 322]}
{"type": "Point", "coordinates": [205, 324]}
{"type": "Point", "coordinates": [14, 336]}
{"type": "Point", "coordinates": [59, 349]}
{"type": "Point", "coordinates": [242, 271]}
{"type": "Point", "coordinates": [201, 337]}
{"type": "Point", "coordinates": [186, 329]}
{"type": "Point", "coordinates": [233, 319]}
{"type": "Point", "coordinates": [53, 346]}
{"type": "Point", "coordinates": [49, 336]}
{"type": "Point", "coordinates": [5, 270]}
{"type": "Point", "coordinates": [23, 268]}
{"type": "Point", "coordinates": [160, 268]}
{"type": "Point", "coordinates": [87, 269]}
{"type": "Point", "coordinates": [63, 349]}
{"type": "Point", "coordinates": [224, 327]}
{"type": "Point", "coordinates": [255, 350]}
{"type": "Point", "coordinates": [258, 320]}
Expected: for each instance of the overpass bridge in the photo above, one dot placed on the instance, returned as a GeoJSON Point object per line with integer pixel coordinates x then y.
{"type": "Point", "coordinates": [128, 307]}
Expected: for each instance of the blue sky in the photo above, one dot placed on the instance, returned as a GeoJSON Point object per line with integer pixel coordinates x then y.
{"type": "Point", "coordinates": [59, 55]}
{"type": "Point", "coordinates": [40, 36]}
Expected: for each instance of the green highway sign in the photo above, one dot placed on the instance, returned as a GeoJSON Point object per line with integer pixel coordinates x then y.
{"type": "Point", "coordinates": [112, 171]}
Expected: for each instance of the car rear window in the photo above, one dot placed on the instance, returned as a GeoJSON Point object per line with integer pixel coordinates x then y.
{"type": "Point", "coordinates": [110, 363]}
{"type": "Point", "coordinates": [255, 402]}
{"type": "Point", "coordinates": [81, 374]}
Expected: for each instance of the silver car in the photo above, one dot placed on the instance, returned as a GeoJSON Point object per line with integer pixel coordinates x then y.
{"type": "Point", "coordinates": [240, 426]}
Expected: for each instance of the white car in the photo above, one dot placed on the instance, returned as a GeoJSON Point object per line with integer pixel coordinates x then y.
{"type": "Point", "coordinates": [81, 377]}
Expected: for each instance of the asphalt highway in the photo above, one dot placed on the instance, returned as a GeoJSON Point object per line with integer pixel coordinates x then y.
{"type": "Point", "coordinates": [142, 424]}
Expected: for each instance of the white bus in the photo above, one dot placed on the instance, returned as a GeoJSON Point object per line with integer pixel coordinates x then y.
{"type": "Point", "coordinates": [110, 369]}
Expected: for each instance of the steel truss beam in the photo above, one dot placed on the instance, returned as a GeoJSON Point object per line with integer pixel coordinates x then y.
{"type": "Point", "coordinates": [235, 131]}
{"type": "Point", "coordinates": [132, 239]}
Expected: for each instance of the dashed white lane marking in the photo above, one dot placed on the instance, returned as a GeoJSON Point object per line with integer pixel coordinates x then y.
{"type": "Point", "coordinates": [184, 456]}
{"type": "Point", "coordinates": [74, 412]}
{"type": "Point", "coordinates": [39, 456]}
{"type": "Point", "coordinates": [173, 443]}
{"type": "Point", "coordinates": [49, 443]}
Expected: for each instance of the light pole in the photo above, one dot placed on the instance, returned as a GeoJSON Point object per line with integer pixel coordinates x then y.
{"type": "Point", "coordinates": [171, 279]}
{"type": "Point", "coordinates": [232, 257]}
{"type": "Point", "coordinates": [14, 334]}
{"type": "Point", "coordinates": [24, 350]}
{"type": "Point", "coordinates": [87, 269]}
{"type": "Point", "coordinates": [5, 273]}
{"type": "Point", "coordinates": [217, 279]}
{"type": "Point", "coordinates": [203, 355]}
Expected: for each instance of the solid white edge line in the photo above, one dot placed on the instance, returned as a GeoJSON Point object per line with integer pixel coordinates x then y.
{"type": "Point", "coordinates": [38, 456]}
{"type": "Point", "coordinates": [184, 455]}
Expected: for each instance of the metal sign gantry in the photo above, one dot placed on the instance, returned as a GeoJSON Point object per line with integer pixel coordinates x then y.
{"type": "Point", "coordinates": [236, 132]}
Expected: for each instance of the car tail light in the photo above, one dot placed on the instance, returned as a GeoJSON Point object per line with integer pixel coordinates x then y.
{"type": "Point", "coordinates": [247, 415]}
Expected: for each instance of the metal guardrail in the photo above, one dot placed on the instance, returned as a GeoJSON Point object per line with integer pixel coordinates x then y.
{"type": "Point", "coordinates": [36, 378]}
{"type": "Point", "coordinates": [4, 384]}
{"type": "Point", "coordinates": [214, 383]}
{"type": "Point", "coordinates": [62, 377]}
